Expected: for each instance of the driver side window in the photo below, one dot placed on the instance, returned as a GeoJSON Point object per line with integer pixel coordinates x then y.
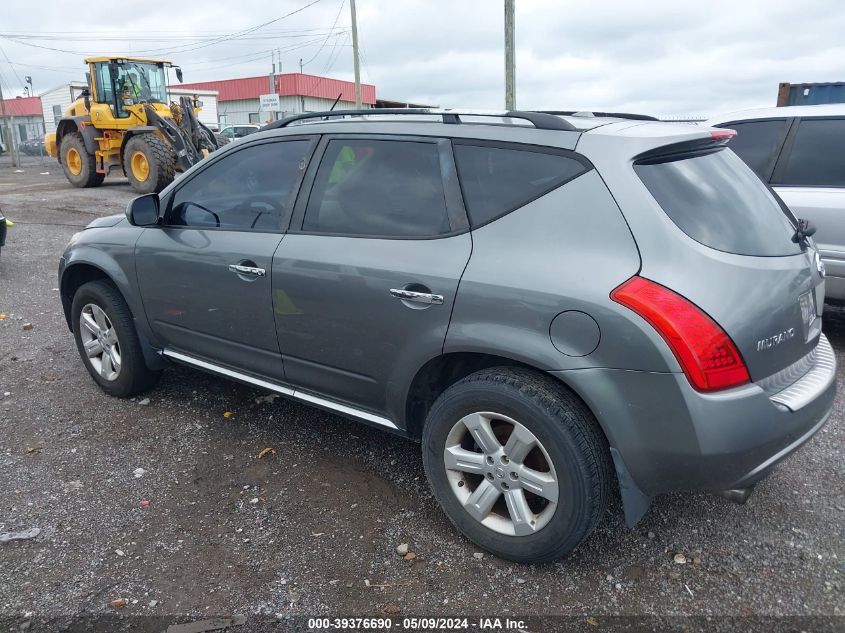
{"type": "Point", "coordinates": [249, 189]}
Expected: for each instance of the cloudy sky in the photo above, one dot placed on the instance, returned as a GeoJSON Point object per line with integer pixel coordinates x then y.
{"type": "Point", "coordinates": [655, 56]}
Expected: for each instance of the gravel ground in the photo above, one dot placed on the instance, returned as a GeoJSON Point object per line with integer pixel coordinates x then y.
{"type": "Point", "coordinates": [312, 528]}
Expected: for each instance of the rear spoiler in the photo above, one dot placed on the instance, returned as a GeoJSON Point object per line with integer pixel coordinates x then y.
{"type": "Point", "coordinates": [717, 140]}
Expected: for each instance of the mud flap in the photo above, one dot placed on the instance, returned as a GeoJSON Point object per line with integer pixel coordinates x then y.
{"type": "Point", "coordinates": [634, 501]}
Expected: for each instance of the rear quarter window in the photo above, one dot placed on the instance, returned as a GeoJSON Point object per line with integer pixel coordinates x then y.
{"type": "Point", "coordinates": [496, 180]}
{"type": "Point", "coordinates": [817, 155]}
{"type": "Point", "coordinates": [718, 201]}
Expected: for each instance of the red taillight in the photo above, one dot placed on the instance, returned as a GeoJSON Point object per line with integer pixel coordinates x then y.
{"type": "Point", "coordinates": [707, 355]}
{"type": "Point", "coordinates": [722, 134]}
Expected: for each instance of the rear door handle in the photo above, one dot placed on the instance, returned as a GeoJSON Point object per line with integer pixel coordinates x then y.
{"type": "Point", "coordinates": [417, 297]}
{"type": "Point", "coordinates": [249, 271]}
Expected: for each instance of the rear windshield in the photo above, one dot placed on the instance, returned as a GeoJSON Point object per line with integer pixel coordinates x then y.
{"type": "Point", "coordinates": [718, 201]}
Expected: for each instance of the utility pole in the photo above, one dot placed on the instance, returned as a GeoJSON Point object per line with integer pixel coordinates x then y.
{"type": "Point", "coordinates": [355, 61]}
{"type": "Point", "coordinates": [510, 65]}
{"type": "Point", "coordinates": [274, 115]}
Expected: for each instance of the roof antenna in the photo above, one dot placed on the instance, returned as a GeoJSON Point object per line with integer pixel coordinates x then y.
{"type": "Point", "coordinates": [335, 101]}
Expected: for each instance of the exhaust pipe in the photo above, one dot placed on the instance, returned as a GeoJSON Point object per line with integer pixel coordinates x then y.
{"type": "Point", "coordinates": [737, 495]}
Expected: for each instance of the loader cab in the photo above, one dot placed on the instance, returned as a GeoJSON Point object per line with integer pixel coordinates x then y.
{"type": "Point", "coordinates": [120, 83]}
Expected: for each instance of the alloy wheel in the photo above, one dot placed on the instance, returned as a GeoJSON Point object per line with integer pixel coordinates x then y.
{"type": "Point", "coordinates": [100, 342]}
{"type": "Point", "coordinates": [501, 474]}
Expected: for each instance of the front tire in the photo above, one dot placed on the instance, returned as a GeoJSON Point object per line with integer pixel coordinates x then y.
{"type": "Point", "coordinates": [108, 342]}
{"type": "Point", "coordinates": [149, 163]}
{"type": "Point", "coordinates": [518, 463]}
{"type": "Point", "coordinates": [79, 166]}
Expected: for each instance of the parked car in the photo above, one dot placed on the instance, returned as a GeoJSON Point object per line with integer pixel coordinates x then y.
{"type": "Point", "coordinates": [800, 152]}
{"type": "Point", "coordinates": [5, 225]}
{"type": "Point", "coordinates": [232, 132]}
{"type": "Point", "coordinates": [543, 301]}
{"type": "Point", "coordinates": [33, 147]}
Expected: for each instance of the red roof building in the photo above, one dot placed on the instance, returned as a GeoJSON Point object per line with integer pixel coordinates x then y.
{"type": "Point", "coordinates": [238, 99]}
{"type": "Point", "coordinates": [22, 106]}
{"type": "Point", "coordinates": [23, 117]}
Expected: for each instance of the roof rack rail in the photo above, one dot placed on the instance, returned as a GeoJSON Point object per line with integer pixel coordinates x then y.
{"type": "Point", "coordinates": [612, 115]}
{"type": "Point", "coordinates": [540, 120]}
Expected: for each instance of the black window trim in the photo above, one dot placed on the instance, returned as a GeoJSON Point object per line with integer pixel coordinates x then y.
{"type": "Point", "coordinates": [786, 152]}
{"type": "Point", "coordinates": [524, 147]}
{"type": "Point", "coordinates": [458, 219]}
{"type": "Point", "coordinates": [284, 218]}
{"type": "Point", "coordinates": [775, 154]}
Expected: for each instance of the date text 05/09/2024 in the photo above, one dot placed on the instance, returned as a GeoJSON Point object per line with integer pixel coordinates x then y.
{"type": "Point", "coordinates": [376, 625]}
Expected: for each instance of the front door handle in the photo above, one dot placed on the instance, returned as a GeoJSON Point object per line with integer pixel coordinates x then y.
{"type": "Point", "coordinates": [417, 297]}
{"type": "Point", "coordinates": [249, 271]}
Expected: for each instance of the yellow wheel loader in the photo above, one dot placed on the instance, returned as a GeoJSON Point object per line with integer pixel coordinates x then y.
{"type": "Point", "coordinates": [125, 120]}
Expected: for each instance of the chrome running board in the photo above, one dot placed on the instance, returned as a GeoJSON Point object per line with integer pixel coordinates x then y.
{"type": "Point", "coordinates": [280, 389]}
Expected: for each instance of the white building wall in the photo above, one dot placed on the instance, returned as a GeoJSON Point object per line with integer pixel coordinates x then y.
{"type": "Point", "coordinates": [210, 112]}
{"type": "Point", "coordinates": [58, 100]}
{"type": "Point", "coordinates": [24, 128]}
{"type": "Point", "coordinates": [239, 111]}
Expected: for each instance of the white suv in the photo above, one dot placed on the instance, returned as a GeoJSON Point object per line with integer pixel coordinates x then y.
{"type": "Point", "coordinates": [800, 152]}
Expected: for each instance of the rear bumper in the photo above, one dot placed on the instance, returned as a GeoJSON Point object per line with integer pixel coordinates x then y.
{"type": "Point", "coordinates": [673, 438]}
{"type": "Point", "coordinates": [761, 470]}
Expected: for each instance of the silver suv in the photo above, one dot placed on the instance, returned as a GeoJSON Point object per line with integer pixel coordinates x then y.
{"type": "Point", "coordinates": [554, 305]}
{"type": "Point", "coordinates": [800, 152]}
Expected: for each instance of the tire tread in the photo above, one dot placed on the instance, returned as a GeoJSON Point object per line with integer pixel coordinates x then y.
{"type": "Point", "coordinates": [162, 161]}
{"type": "Point", "coordinates": [141, 377]}
{"type": "Point", "coordinates": [560, 403]}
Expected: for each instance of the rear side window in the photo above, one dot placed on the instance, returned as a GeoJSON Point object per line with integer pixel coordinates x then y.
{"type": "Point", "coordinates": [718, 201]}
{"type": "Point", "coordinates": [378, 188]}
{"type": "Point", "coordinates": [756, 142]}
{"type": "Point", "coordinates": [497, 180]}
{"type": "Point", "coordinates": [818, 154]}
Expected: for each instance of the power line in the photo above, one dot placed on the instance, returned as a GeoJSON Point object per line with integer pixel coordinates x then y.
{"type": "Point", "coordinates": [177, 49]}
{"type": "Point", "coordinates": [366, 65]}
{"type": "Point", "coordinates": [254, 56]}
{"type": "Point", "coordinates": [282, 34]}
{"type": "Point", "coordinates": [239, 34]}
{"type": "Point", "coordinates": [330, 64]}
{"type": "Point", "coordinates": [52, 68]}
{"type": "Point", "coordinates": [10, 66]}
{"type": "Point", "coordinates": [334, 24]}
{"type": "Point", "coordinates": [176, 33]}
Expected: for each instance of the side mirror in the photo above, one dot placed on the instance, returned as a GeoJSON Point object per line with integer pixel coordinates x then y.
{"type": "Point", "coordinates": [143, 210]}
{"type": "Point", "coordinates": [113, 70]}
{"type": "Point", "coordinates": [179, 74]}
{"type": "Point", "coordinates": [86, 98]}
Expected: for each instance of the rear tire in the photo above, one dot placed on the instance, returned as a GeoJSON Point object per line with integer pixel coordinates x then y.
{"type": "Point", "coordinates": [79, 166]}
{"type": "Point", "coordinates": [545, 492]}
{"type": "Point", "coordinates": [149, 163]}
{"type": "Point", "coordinates": [107, 341]}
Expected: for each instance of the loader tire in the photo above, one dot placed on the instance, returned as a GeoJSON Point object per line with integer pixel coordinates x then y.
{"type": "Point", "coordinates": [79, 166]}
{"type": "Point", "coordinates": [149, 163]}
